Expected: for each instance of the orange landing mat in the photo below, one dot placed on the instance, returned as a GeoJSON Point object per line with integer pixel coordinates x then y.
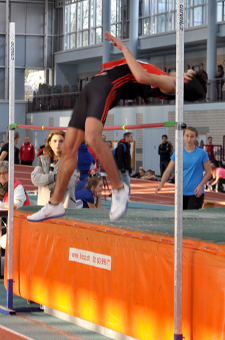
{"type": "Point", "coordinates": [120, 280]}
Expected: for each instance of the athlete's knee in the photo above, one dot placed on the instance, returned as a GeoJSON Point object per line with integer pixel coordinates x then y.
{"type": "Point", "coordinates": [93, 139]}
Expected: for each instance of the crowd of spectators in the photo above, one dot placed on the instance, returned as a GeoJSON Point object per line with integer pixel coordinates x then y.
{"type": "Point", "coordinates": [45, 173]}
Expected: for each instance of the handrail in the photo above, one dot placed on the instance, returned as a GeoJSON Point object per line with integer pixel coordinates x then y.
{"type": "Point", "coordinates": [66, 100]}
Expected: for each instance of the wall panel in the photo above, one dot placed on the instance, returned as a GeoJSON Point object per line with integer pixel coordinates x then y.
{"type": "Point", "coordinates": [2, 82]}
{"type": "Point", "coordinates": [2, 17]}
{"type": "Point", "coordinates": [34, 52]}
{"type": "Point", "coordinates": [19, 84]}
{"type": "Point", "coordinates": [18, 15]}
{"type": "Point", "coordinates": [35, 18]}
{"type": "Point", "coordinates": [20, 51]}
{"type": "Point", "coordinates": [2, 50]}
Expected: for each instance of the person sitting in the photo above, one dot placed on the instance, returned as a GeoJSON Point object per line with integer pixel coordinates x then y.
{"type": "Point", "coordinates": [45, 173]}
{"type": "Point", "coordinates": [142, 173]}
{"type": "Point", "coordinates": [138, 174]}
{"type": "Point", "coordinates": [20, 195]}
{"type": "Point", "coordinates": [218, 181]}
{"type": "Point", "coordinates": [87, 195]}
{"type": "Point", "coordinates": [151, 176]}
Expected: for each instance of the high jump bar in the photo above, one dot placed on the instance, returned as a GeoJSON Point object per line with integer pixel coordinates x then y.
{"type": "Point", "coordinates": [106, 128]}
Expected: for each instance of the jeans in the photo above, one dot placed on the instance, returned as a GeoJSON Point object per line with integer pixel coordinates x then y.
{"type": "Point", "coordinates": [125, 179]}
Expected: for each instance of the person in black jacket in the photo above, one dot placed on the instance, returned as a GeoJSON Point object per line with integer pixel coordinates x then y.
{"type": "Point", "coordinates": [164, 150]}
{"type": "Point", "coordinates": [124, 158]}
{"type": "Point", "coordinates": [220, 82]}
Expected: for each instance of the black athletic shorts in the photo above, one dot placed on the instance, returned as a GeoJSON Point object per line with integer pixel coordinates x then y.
{"type": "Point", "coordinates": [103, 93]}
{"type": "Point", "coordinates": [193, 202]}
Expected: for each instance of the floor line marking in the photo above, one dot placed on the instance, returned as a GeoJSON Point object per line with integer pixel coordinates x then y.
{"type": "Point", "coordinates": [16, 333]}
{"type": "Point", "coordinates": [49, 327]}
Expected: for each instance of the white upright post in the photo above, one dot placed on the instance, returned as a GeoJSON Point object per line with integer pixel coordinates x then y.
{"type": "Point", "coordinates": [178, 225]}
{"type": "Point", "coordinates": [9, 299]}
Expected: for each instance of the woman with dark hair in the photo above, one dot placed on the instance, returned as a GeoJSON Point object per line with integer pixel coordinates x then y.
{"type": "Point", "coordinates": [46, 170]}
{"type": "Point", "coordinates": [92, 190]}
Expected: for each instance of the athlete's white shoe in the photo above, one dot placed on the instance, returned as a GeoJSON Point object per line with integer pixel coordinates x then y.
{"type": "Point", "coordinates": [47, 212]}
{"type": "Point", "coordinates": [119, 204]}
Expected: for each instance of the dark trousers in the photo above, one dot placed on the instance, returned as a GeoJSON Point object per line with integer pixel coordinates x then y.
{"type": "Point", "coordinates": [26, 162]}
{"type": "Point", "coordinates": [163, 166]}
{"type": "Point", "coordinates": [192, 202]}
{"type": "Point", "coordinates": [221, 185]}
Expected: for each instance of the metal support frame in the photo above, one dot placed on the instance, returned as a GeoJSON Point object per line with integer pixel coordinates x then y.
{"type": "Point", "coordinates": [178, 220]}
{"type": "Point", "coordinates": [9, 293]}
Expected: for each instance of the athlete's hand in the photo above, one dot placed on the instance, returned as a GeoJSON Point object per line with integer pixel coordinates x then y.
{"type": "Point", "coordinates": [158, 189]}
{"type": "Point", "coordinates": [116, 42]}
{"type": "Point", "coordinates": [188, 75]}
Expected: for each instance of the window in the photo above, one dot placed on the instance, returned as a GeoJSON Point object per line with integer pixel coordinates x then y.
{"type": "Point", "coordinates": [83, 19]}
{"type": "Point", "coordinates": [221, 10]}
{"type": "Point", "coordinates": [33, 78]}
{"type": "Point", "coordinates": [160, 16]}
{"type": "Point", "coordinates": [83, 23]}
{"type": "Point", "coordinates": [120, 18]}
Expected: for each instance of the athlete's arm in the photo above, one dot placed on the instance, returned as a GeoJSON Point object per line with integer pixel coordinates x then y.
{"type": "Point", "coordinates": [163, 82]}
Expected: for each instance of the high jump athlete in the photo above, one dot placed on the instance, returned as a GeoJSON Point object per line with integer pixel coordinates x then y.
{"type": "Point", "coordinates": [118, 80]}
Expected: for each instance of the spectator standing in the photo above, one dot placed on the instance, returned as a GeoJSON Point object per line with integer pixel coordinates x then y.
{"type": "Point", "coordinates": [93, 170]}
{"type": "Point", "coordinates": [220, 82]}
{"type": "Point", "coordinates": [4, 156]}
{"type": "Point", "coordinates": [195, 161]}
{"type": "Point", "coordinates": [45, 173]}
{"type": "Point", "coordinates": [124, 158]}
{"type": "Point", "coordinates": [202, 144]}
{"type": "Point", "coordinates": [85, 163]}
{"type": "Point", "coordinates": [204, 74]}
{"type": "Point", "coordinates": [210, 149]}
{"type": "Point", "coordinates": [164, 150]}
{"type": "Point", "coordinates": [27, 152]}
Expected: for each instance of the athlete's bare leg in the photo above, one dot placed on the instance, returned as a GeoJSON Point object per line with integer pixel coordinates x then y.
{"type": "Point", "coordinates": [93, 136]}
{"type": "Point", "coordinates": [74, 137]}
{"type": "Point", "coordinates": [68, 162]}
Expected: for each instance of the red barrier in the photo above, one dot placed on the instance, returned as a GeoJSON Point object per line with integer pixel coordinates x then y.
{"type": "Point", "coordinates": [119, 279]}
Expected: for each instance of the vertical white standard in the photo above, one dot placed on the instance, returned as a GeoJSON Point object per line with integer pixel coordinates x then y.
{"type": "Point", "coordinates": [11, 163]}
{"type": "Point", "coordinates": [178, 224]}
